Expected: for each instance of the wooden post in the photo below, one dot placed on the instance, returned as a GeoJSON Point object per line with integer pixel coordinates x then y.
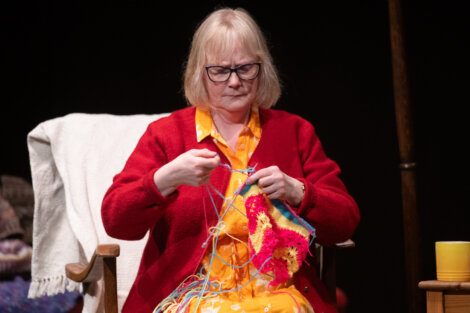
{"type": "Point", "coordinates": [434, 302]}
{"type": "Point", "coordinates": [110, 282]}
{"type": "Point", "coordinates": [411, 226]}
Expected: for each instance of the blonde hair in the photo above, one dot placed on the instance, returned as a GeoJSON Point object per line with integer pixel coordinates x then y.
{"type": "Point", "coordinates": [217, 35]}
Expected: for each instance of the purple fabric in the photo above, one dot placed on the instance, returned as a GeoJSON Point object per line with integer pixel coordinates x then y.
{"type": "Point", "coordinates": [12, 246]}
{"type": "Point", "coordinates": [15, 257]}
{"type": "Point", "coordinates": [13, 299]}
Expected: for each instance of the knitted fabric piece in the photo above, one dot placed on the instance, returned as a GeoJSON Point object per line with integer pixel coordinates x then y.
{"type": "Point", "coordinates": [279, 240]}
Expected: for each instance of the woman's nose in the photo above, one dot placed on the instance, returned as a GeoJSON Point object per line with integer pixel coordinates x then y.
{"type": "Point", "coordinates": [234, 80]}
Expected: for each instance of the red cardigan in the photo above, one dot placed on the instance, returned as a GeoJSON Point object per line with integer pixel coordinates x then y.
{"type": "Point", "coordinates": [177, 223]}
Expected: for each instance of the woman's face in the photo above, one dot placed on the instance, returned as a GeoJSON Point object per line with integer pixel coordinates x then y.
{"type": "Point", "coordinates": [234, 96]}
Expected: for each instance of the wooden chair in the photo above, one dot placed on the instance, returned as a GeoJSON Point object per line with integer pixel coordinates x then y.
{"type": "Point", "coordinates": [103, 265]}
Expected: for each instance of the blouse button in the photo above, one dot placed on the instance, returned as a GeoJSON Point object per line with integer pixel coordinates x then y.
{"type": "Point", "coordinates": [305, 288]}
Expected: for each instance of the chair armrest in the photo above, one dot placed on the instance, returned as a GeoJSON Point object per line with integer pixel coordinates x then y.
{"type": "Point", "coordinates": [326, 266]}
{"type": "Point", "coordinates": [90, 272]}
{"type": "Point", "coordinates": [346, 244]}
{"type": "Point", "coordinates": [102, 263]}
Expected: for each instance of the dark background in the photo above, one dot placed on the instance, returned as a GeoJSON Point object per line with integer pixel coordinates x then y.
{"type": "Point", "coordinates": [126, 57]}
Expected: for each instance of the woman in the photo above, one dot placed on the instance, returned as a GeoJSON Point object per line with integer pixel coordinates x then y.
{"type": "Point", "coordinates": [227, 139]}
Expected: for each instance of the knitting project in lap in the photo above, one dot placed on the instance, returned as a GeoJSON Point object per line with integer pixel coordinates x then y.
{"type": "Point", "coordinates": [278, 243]}
{"type": "Point", "coordinates": [279, 239]}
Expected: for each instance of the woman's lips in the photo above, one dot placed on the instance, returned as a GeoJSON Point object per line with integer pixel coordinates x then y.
{"type": "Point", "coordinates": [238, 95]}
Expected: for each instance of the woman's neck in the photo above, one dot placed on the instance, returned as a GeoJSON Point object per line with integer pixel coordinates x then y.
{"type": "Point", "coordinates": [230, 125]}
{"type": "Point", "coordinates": [230, 118]}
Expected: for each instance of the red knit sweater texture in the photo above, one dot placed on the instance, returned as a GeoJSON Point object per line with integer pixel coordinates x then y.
{"type": "Point", "coordinates": [178, 223]}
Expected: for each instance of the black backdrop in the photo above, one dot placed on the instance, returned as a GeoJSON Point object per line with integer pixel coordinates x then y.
{"type": "Point", "coordinates": [125, 57]}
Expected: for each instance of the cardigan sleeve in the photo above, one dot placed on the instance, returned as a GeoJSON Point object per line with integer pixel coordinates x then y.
{"type": "Point", "coordinates": [327, 205]}
{"type": "Point", "coordinates": [133, 202]}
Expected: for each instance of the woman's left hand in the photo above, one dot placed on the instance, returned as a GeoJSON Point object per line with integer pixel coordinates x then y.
{"type": "Point", "coordinates": [278, 185]}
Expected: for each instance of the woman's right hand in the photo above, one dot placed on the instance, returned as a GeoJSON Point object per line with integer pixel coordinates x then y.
{"type": "Point", "coordinates": [191, 168]}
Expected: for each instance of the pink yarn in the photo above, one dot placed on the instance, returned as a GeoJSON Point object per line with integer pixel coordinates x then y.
{"type": "Point", "coordinates": [272, 257]}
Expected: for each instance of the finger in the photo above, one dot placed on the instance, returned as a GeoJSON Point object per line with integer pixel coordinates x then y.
{"type": "Point", "coordinates": [269, 189]}
{"type": "Point", "coordinates": [252, 179]}
{"type": "Point", "coordinates": [266, 181]}
{"type": "Point", "coordinates": [274, 195]}
{"type": "Point", "coordinates": [209, 164]}
{"type": "Point", "coordinates": [216, 159]}
{"type": "Point", "coordinates": [256, 176]}
{"type": "Point", "coordinates": [204, 153]}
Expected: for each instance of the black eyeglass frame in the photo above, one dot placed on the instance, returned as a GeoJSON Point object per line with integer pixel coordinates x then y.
{"type": "Point", "coordinates": [232, 70]}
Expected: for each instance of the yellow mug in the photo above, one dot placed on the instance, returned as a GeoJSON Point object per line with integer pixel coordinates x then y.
{"type": "Point", "coordinates": [453, 260]}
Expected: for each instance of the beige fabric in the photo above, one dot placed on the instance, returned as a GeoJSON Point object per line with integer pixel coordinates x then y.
{"type": "Point", "coordinates": [73, 160]}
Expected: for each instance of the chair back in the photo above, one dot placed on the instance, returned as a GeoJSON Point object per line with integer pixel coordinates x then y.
{"type": "Point", "coordinates": [73, 160]}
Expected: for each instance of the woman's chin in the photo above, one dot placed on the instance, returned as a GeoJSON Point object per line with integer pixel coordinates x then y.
{"type": "Point", "coordinates": [234, 106]}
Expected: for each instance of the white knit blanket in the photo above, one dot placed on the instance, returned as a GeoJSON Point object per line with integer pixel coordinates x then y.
{"type": "Point", "coordinates": [73, 160]}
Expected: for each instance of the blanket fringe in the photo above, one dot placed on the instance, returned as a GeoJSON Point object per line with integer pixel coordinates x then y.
{"type": "Point", "coordinates": [49, 286]}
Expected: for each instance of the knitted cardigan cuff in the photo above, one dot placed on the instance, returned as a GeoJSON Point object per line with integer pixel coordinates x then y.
{"type": "Point", "coordinates": [153, 190]}
{"type": "Point", "coordinates": [310, 197]}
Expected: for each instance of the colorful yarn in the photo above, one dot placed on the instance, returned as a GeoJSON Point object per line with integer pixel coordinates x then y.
{"type": "Point", "coordinates": [193, 287]}
{"type": "Point", "coordinates": [275, 232]}
{"type": "Point", "coordinates": [278, 244]}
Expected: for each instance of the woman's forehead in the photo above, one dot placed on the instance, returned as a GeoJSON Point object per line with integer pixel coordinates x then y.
{"type": "Point", "coordinates": [228, 43]}
{"type": "Point", "coordinates": [227, 54]}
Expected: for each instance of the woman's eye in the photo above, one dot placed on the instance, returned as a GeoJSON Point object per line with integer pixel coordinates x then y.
{"type": "Point", "coordinates": [245, 68]}
{"type": "Point", "coordinates": [220, 70]}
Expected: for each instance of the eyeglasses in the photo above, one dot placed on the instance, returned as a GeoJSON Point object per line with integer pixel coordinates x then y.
{"type": "Point", "coordinates": [220, 74]}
